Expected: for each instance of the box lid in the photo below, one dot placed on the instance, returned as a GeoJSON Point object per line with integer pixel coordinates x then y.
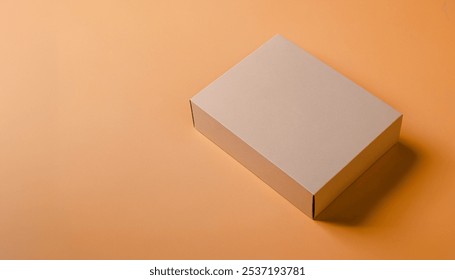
{"type": "Point", "coordinates": [299, 113]}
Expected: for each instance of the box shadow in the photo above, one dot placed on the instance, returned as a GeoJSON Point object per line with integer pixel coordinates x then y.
{"type": "Point", "coordinates": [354, 205]}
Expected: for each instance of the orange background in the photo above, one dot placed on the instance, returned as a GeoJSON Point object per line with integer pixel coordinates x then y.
{"type": "Point", "coordinates": [99, 159]}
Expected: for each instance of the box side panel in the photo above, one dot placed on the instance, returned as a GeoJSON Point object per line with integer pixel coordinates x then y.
{"type": "Point", "coordinates": [251, 159]}
{"type": "Point", "coordinates": [357, 166]}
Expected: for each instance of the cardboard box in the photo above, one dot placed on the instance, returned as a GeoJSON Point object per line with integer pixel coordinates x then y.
{"type": "Point", "coordinates": [299, 125]}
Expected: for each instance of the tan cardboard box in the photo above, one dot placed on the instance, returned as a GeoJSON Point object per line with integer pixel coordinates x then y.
{"type": "Point", "coordinates": [299, 125]}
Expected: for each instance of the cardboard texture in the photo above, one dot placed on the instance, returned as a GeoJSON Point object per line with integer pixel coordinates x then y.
{"type": "Point", "coordinates": [299, 125]}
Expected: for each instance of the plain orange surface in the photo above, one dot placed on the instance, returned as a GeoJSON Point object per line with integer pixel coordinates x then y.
{"type": "Point", "coordinates": [99, 159]}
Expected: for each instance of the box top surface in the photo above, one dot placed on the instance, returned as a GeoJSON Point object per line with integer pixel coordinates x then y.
{"type": "Point", "coordinates": [299, 113]}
